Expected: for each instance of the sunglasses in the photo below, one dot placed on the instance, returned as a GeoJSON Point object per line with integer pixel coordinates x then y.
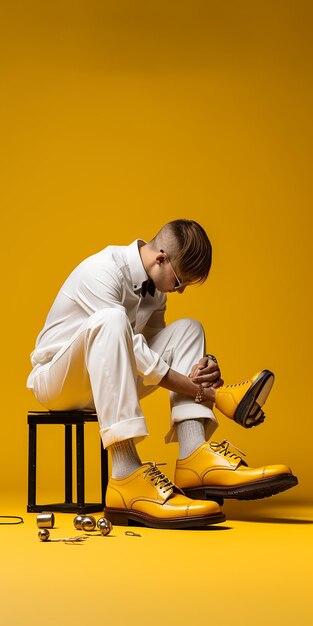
{"type": "Point", "coordinates": [179, 284]}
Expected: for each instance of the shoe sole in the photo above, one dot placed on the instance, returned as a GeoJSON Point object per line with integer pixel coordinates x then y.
{"type": "Point", "coordinates": [121, 517]}
{"type": "Point", "coordinates": [251, 491]}
{"type": "Point", "coordinates": [248, 412]}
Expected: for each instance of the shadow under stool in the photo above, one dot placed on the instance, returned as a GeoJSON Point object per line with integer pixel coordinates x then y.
{"type": "Point", "coordinates": [68, 419]}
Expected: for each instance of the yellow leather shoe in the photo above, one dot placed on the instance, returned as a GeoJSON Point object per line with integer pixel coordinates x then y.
{"type": "Point", "coordinates": [242, 402]}
{"type": "Point", "coordinates": [214, 471]}
{"type": "Point", "coordinates": [149, 497]}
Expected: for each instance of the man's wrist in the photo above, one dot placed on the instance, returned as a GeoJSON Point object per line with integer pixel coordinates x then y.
{"type": "Point", "coordinates": [200, 397]}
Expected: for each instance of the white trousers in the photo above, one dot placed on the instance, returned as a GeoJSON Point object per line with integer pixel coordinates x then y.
{"type": "Point", "coordinates": [96, 369]}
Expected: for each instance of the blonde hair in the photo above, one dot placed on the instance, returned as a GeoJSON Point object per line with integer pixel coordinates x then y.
{"type": "Point", "coordinates": [188, 246]}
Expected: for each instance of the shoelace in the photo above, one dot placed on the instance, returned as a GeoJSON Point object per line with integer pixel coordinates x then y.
{"type": "Point", "coordinates": [156, 477]}
{"type": "Point", "coordinates": [238, 384]}
{"type": "Point", "coordinates": [223, 449]}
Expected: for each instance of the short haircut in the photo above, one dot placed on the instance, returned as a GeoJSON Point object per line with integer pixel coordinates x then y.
{"type": "Point", "coordinates": [188, 246]}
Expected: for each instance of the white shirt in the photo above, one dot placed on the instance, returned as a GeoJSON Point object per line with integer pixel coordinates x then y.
{"type": "Point", "coordinates": [110, 278]}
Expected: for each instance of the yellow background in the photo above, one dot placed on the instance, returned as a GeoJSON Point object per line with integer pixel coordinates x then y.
{"type": "Point", "coordinates": [118, 117]}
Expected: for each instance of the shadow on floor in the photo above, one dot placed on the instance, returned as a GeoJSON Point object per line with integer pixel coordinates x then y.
{"type": "Point", "coordinates": [268, 520]}
{"type": "Point", "coordinates": [135, 524]}
{"type": "Point", "coordinates": [267, 512]}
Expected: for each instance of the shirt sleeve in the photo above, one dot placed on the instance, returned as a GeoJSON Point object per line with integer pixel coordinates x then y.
{"type": "Point", "coordinates": [99, 290]}
{"type": "Point", "coordinates": [150, 365]}
{"type": "Point", "coordinates": [104, 289]}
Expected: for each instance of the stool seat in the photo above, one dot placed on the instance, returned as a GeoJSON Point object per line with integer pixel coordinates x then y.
{"type": "Point", "coordinates": [68, 419]}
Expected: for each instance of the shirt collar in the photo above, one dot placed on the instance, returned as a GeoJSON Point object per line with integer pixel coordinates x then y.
{"type": "Point", "coordinates": [137, 270]}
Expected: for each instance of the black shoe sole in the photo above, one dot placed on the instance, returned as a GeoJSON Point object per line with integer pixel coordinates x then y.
{"type": "Point", "coordinates": [251, 491]}
{"type": "Point", "coordinates": [121, 517]}
{"type": "Point", "coordinates": [248, 412]}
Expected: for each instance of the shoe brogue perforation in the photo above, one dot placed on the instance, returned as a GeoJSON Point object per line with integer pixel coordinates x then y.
{"type": "Point", "coordinates": [224, 474]}
{"type": "Point", "coordinates": [152, 499]}
{"type": "Point", "coordinates": [223, 449]}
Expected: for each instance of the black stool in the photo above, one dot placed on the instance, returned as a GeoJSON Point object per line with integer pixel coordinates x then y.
{"type": "Point", "coordinates": [68, 418]}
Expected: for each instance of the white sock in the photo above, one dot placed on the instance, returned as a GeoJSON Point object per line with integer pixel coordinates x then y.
{"type": "Point", "coordinates": [190, 435]}
{"type": "Point", "coordinates": [125, 459]}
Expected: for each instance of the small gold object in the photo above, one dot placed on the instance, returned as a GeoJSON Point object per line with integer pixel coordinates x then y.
{"type": "Point", "coordinates": [44, 535]}
{"type": "Point", "coordinates": [71, 539]}
{"type": "Point", "coordinates": [200, 395]}
{"type": "Point", "coordinates": [130, 533]}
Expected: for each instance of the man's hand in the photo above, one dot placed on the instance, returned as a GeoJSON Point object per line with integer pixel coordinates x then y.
{"type": "Point", "coordinates": [206, 372]}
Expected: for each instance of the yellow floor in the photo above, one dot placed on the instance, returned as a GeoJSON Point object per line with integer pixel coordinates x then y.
{"type": "Point", "coordinates": [256, 568]}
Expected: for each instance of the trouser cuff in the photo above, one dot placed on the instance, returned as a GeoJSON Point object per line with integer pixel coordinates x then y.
{"type": "Point", "coordinates": [133, 428]}
{"type": "Point", "coordinates": [187, 412]}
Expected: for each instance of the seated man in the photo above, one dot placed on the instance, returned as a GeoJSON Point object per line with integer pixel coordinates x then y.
{"type": "Point", "coordinates": [105, 345]}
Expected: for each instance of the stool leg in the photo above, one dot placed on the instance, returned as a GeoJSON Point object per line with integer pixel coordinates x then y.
{"type": "Point", "coordinates": [80, 465]}
{"type": "Point", "coordinates": [32, 448]}
{"type": "Point", "coordinates": [68, 464]}
{"type": "Point", "coordinates": [104, 472]}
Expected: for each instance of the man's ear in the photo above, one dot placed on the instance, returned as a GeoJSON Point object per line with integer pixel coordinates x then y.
{"type": "Point", "coordinates": [160, 258]}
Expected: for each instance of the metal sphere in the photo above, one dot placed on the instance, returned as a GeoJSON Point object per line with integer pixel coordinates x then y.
{"type": "Point", "coordinates": [88, 523]}
{"type": "Point", "coordinates": [43, 534]}
{"type": "Point", "coordinates": [78, 521]}
{"type": "Point", "coordinates": [100, 520]}
{"type": "Point", "coordinates": [104, 525]}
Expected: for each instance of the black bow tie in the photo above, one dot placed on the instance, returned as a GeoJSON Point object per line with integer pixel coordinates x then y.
{"type": "Point", "coordinates": [148, 285]}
